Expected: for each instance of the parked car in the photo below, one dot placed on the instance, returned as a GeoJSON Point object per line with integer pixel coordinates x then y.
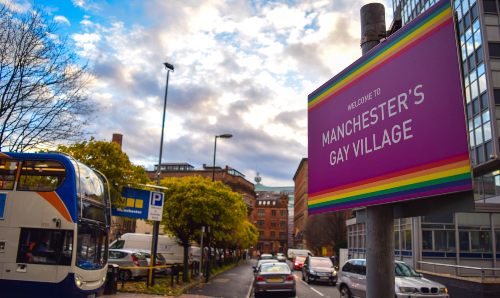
{"type": "Point", "coordinates": [127, 260]}
{"type": "Point", "coordinates": [281, 257]}
{"type": "Point", "coordinates": [408, 282]}
{"type": "Point", "coordinates": [298, 262]}
{"type": "Point", "coordinates": [274, 277]}
{"type": "Point", "coordinates": [160, 261]}
{"type": "Point", "coordinates": [319, 269]}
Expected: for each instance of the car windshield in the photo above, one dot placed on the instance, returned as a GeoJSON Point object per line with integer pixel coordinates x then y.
{"type": "Point", "coordinates": [321, 263]}
{"type": "Point", "coordinates": [403, 269]}
{"type": "Point", "coordinates": [266, 256]}
{"type": "Point", "coordinates": [274, 268]}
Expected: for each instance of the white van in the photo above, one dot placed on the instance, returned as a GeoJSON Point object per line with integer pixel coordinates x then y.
{"type": "Point", "coordinates": [293, 252]}
{"type": "Point", "coordinates": [168, 246]}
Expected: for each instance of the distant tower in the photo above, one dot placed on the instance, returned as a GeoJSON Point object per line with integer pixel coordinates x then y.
{"type": "Point", "coordinates": [257, 178]}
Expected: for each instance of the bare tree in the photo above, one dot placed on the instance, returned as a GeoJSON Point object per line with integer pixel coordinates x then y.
{"type": "Point", "coordinates": [42, 88]}
{"type": "Point", "coordinates": [327, 229]}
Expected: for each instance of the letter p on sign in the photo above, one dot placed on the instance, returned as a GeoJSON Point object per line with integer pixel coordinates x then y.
{"type": "Point", "coordinates": [157, 199]}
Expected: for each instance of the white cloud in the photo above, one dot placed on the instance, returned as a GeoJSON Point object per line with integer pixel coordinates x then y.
{"type": "Point", "coordinates": [239, 68]}
{"type": "Point", "coordinates": [62, 20]}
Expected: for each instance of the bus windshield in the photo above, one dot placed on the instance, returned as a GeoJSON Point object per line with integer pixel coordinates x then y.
{"type": "Point", "coordinates": [92, 249]}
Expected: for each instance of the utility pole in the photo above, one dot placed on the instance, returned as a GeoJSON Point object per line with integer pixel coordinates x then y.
{"type": "Point", "coordinates": [379, 219]}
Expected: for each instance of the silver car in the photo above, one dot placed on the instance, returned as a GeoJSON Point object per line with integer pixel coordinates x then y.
{"type": "Point", "coordinates": [351, 281]}
{"type": "Point", "coordinates": [274, 278]}
{"type": "Point", "coordinates": [132, 263]}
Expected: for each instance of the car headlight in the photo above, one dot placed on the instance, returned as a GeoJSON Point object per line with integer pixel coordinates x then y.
{"type": "Point", "coordinates": [408, 290]}
{"type": "Point", "coordinates": [334, 272]}
{"type": "Point", "coordinates": [104, 279]}
{"type": "Point", "coordinates": [79, 281]}
{"type": "Point", "coordinates": [312, 272]}
{"type": "Point", "coordinates": [443, 290]}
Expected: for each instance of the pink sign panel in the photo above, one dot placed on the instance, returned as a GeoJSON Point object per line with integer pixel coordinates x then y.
{"type": "Point", "coordinates": [391, 126]}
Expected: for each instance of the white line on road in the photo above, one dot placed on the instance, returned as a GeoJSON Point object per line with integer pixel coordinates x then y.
{"type": "Point", "coordinates": [318, 292]}
{"type": "Point", "coordinates": [250, 289]}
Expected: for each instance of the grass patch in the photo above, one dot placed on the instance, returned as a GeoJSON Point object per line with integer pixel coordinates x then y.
{"type": "Point", "coordinates": [162, 287]}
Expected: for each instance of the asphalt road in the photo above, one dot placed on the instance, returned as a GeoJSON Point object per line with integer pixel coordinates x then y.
{"type": "Point", "coordinates": [237, 283]}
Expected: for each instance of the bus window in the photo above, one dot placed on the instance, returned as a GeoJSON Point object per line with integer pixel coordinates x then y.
{"type": "Point", "coordinates": [8, 169]}
{"type": "Point", "coordinates": [41, 175]}
{"type": "Point", "coordinates": [41, 246]}
{"type": "Point", "coordinates": [91, 247]}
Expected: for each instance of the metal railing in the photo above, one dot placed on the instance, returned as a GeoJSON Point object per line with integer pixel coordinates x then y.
{"type": "Point", "coordinates": [482, 272]}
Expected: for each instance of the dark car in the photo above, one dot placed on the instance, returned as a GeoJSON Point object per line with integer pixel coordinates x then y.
{"type": "Point", "coordinates": [319, 269]}
{"type": "Point", "coordinates": [274, 277]}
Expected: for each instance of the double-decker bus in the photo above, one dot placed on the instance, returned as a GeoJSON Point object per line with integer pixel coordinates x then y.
{"type": "Point", "coordinates": [54, 226]}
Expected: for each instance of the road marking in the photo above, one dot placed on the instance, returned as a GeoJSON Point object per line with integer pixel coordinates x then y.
{"type": "Point", "coordinates": [250, 289]}
{"type": "Point", "coordinates": [318, 292]}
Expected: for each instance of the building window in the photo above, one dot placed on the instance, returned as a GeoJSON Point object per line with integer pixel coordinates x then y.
{"type": "Point", "coordinates": [260, 223]}
{"type": "Point", "coordinates": [407, 240]}
{"type": "Point", "coordinates": [273, 212]}
{"type": "Point", "coordinates": [464, 241]}
{"type": "Point", "coordinates": [273, 224]}
{"type": "Point", "coordinates": [261, 212]}
{"type": "Point", "coordinates": [273, 235]}
{"type": "Point", "coordinates": [282, 224]}
{"type": "Point", "coordinates": [282, 212]}
{"type": "Point", "coordinates": [426, 240]}
{"type": "Point", "coordinates": [490, 6]}
{"type": "Point", "coordinates": [480, 241]}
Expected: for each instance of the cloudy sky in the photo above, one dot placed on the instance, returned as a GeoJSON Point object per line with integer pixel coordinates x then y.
{"type": "Point", "coordinates": [241, 67]}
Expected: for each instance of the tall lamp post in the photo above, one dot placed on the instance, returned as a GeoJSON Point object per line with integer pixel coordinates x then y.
{"type": "Point", "coordinates": [223, 136]}
{"type": "Point", "coordinates": [156, 226]}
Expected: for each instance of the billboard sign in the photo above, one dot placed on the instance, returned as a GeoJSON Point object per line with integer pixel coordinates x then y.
{"type": "Point", "coordinates": [140, 204]}
{"type": "Point", "coordinates": [391, 126]}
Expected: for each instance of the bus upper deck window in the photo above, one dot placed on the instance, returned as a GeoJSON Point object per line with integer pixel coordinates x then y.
{"type": "Point", "coordinates": [8, 169]}
{"type": "Point", "coordinates": [41, 175]}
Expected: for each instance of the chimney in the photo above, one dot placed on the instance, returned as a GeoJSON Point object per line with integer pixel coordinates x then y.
{"type": "Point", "coordinates": [117, 138]}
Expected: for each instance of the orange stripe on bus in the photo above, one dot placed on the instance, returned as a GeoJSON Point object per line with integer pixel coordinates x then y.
{"type": "Point", "coordinates": [56, 201]}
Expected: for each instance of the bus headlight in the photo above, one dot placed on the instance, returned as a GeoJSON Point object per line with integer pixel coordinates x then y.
{"type": "Point", "coordinates": [79, 281]}
{"type": "Point", "coordinates": [104, 279]}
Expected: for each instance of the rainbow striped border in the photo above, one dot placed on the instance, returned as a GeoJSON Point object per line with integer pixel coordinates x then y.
{"type": "Point", "coordinates": [440, 177]}
{"type": "Point", "coordinates": [401, 41]}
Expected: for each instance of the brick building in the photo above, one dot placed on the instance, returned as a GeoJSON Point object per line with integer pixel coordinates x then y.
{"type": "Point", "coordinates": [300, 210]}
{"type": "Point", "coordinates": [270, 216]}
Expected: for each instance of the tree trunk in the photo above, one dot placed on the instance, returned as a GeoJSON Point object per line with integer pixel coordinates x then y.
{"type": "Point", "coordinates": [185, 268]}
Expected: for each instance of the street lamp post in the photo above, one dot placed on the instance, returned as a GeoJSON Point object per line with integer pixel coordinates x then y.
{"type": "Point", "coordinates": [156, 226]}
{"type": "Point", "coordinates": [223, 136]}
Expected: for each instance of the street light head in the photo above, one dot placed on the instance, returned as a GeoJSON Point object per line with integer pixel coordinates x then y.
{"type": "Point", "coordinates": [225, 136]}
{"type": "Point", "coordinates": [169, 66]}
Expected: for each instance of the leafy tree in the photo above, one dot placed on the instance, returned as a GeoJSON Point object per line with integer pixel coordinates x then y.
{"type": "Point", "coordinates": [42, 88]}
{"type": "Point", "coordinates": [108, 158]}
{"type": "Point", "coordinates": [193, 202]}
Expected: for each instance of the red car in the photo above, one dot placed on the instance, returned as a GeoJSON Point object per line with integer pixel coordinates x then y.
{"type": "Point", "coordinates": [298, 262]}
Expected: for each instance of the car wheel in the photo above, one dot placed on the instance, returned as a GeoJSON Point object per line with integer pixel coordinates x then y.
{"type": "Point", "coordinates": [345, 292]}
{"type": "Point", "coordinates": [125, 275]}
{"type": "Point", "coordinates": [303, 276]}
{"type": "Point", "coordinates": [308, 280]}
{"type": "Point", "coordinates": [293, 294]}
